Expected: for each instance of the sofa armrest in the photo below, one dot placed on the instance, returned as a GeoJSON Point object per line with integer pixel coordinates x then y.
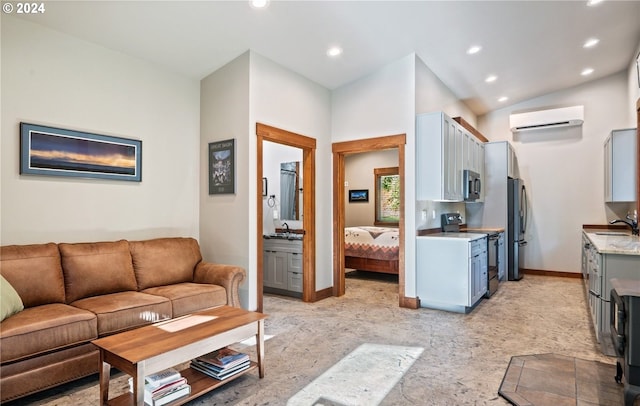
{"type": "Point", "coordinates": [228, 276]}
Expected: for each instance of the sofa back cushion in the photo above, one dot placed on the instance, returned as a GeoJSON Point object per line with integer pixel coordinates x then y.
{"type": "Point", "coordinates": [164, 261]}
{"type": "Point", "coordinates": [34, 271]}
{"type": "Point", "coordinates": [92, 269]}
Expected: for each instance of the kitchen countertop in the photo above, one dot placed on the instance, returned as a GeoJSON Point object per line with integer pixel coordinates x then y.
{"type": "Point", "coordinates": [614, 244]}
{"type": "Point", "coordinates": [452, 235]}
{"type": "Point", "coordinates": [483, 230]}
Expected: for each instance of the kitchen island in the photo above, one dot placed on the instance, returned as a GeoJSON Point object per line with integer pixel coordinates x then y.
{"type": "Point", "coordinates": [451, 270]}
{"type": "Point", "coordinates": [606, 255]}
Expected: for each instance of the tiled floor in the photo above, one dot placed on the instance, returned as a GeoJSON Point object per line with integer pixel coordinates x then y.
{"type": "Point", "coordinates": [463, 358]}
{"type": "Point", "coordinates": [551, 379]}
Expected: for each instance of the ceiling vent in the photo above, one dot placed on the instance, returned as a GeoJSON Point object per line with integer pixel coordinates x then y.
{"type": "Point", "coordinates": [542, 119]}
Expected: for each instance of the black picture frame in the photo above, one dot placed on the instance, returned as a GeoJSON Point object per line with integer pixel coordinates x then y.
{"type": "Point", "coordinates": [222, 172]}
{"type": "Point", "coordinates": [358, 195]}
{"type": "Point", "coordinates": [265, 187]}
{"type": "Point", "coordinates": [52, 151]}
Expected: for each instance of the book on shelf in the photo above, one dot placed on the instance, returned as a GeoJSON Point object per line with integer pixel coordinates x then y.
{"type": "Point", "coordinates": [162, 377]}
{"type": "Point", "coordinates": [220, 373]}
{"type": "Point", "coordinates": [224, 357]}
{"type": "Point", "coordinates": [163, 387]}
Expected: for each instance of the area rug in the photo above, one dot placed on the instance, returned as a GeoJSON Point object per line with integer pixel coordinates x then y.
{"type": "Point", "coordinates": [551, 379]}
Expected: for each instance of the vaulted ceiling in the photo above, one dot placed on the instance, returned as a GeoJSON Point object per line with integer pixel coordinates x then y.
{"type": "Point", "coordinates": [532, 47]}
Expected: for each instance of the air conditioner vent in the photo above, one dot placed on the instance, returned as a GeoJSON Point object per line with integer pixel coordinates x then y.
{"type": "Point", "coordinates": [544, 119]}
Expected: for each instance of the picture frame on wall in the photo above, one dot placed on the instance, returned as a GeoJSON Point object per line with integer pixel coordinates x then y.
{"type": "Point", "coordinates": [358, 195]}
{"type": "Point", "coordinates": [222, 167]}
{"type": "Point", "coordinates": [52, 151]}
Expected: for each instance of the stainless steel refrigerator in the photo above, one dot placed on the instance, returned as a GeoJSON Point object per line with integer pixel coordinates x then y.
{"type": "Point", "coordinates": [516, 226]}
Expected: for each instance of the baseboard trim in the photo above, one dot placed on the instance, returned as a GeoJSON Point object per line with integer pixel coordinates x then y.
{"type": "Point", "coordinates": [323, 294]}
{"type": "Point", "coordinates": [576, 275]}
{"type": "Point", "coordinates": [409, 302]}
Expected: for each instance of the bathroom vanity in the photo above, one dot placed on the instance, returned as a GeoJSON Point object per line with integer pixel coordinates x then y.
{"type": "Point", "coordinates": [282, 265]}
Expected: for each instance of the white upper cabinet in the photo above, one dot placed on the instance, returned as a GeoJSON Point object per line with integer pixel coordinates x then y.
{"type": "Point", "coordinates": [443, 150]}
{"type": "Point", "coordinates": [620, 166]}
{"type": "Point", "coordinates": [438, 158]}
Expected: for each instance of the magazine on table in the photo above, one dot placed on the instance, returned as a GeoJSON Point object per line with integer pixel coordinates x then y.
{"type": "Point", "coordinates": [216, 372]}
{"type": "Point", "coordinates": [224, 357]}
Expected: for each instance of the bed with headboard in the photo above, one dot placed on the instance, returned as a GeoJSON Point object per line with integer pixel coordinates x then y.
{"type": "Point", "coordinates": [372, 249]}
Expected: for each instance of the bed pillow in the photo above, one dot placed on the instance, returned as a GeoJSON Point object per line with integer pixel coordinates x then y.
{"type": "Point", "coordinates": [10, 302]}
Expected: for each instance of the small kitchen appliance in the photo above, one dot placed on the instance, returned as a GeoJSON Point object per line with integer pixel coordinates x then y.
{"type": "Point", "coordinates": [471, 184]}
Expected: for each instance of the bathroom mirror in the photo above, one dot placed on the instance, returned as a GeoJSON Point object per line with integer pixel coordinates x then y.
{"type": "Point", "coordinates": [290, 191]}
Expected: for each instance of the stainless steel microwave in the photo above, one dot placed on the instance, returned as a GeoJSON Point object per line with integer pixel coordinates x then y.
{"type": "Point", "coordinates": [471, 185]}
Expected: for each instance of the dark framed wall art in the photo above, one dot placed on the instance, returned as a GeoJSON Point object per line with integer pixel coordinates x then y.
{"type": "Point", "coordinates": [222, 167]}
{"type": "Point", "coordinates": [358, 195]}
{"type": "Point", "coordinates": [60, 152]}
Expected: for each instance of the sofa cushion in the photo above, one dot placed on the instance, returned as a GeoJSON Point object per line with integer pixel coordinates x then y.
{"type": "Point", "coordinates": [92, 269]}
{"type": "Point", "coordinates": [164, 261]}
{"type": "Point", "coordinates": [34, 271]}
{"type": "Point", "coordinates": [45, 328]}
{"type": "Point", "coordinates": [187, 297]}
{"type": "Point", "coordinates": [10, 302]}
{"type": "Point", "coordinates": [122, 311]}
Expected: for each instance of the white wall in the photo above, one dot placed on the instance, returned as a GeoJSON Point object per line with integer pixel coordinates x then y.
{"type": "Point", "coordinates": [377, 105]}
{"type": "Point", "coordinates": [54, 79]}
{"type": "Point", "coordinates": [433, 95]}
{"type": "Point", "coordinates": [563, 169]}
{"type": "Point", "coordinates": [224, 219]}
{"type": "Point", "coordinates": [286, 100]}
{"type": "Point", "coordinates": [249, 90]}
{"type": "Point", "coordinates": [358, 170]}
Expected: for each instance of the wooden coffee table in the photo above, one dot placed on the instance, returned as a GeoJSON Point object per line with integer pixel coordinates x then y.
{"type": "Point", "coordinates": [162, 345]}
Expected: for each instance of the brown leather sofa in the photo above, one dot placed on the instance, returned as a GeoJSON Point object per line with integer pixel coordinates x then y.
{"type": "Point", "coordinates": [75, 293]}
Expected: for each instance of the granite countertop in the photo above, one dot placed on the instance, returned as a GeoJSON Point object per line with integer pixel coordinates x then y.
{"type": "Point", "coordinates": [608, 243]}
{"type": "Point", "coordinates": [452, 235]}
{"type": "Point", "coordinates": [484, 229]}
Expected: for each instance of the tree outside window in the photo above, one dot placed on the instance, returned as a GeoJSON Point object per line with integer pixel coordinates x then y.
{"type": "Point", "coordinates": [387, 196]}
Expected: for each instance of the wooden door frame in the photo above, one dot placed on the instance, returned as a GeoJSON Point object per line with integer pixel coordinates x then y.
{"type": "Point", "coordinates": [340, 150]}
{"type": "Point", "coordinates": [638, 157]}
{"type": "Point", "coordinates": [308, 146]}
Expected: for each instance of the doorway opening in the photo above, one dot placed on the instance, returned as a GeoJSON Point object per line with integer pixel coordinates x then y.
{"type": "Point", "coordinates": [308, 147]}
{"type": "Point", "coordinates": [340, 151]}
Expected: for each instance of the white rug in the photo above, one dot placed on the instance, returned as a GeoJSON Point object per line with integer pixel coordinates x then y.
{"type": "Point", "coordinates": [363, 377]}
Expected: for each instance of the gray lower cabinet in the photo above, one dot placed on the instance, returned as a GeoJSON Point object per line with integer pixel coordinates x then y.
{"type": "Point", "coordinates": [599, 268]}
{"type": "Point", "coordinates": [282, 267]}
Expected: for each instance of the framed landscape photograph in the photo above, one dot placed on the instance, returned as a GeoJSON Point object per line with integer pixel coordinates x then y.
{"type": "Point", "coordinates": [358, 195]}
{"type": "Point", "coordinates": [222, 167]}
{"type": "Point", "coordinates": [60, 152]}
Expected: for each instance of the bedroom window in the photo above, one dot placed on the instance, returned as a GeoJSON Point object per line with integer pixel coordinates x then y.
{"type": "Point", "coordinates": [387, 196]}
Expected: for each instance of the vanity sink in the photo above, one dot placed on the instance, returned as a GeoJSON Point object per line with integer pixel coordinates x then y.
{"type": "Point", "coordinates": [284, 236]}
{"type": "Point", "coordinates": [611, 233]}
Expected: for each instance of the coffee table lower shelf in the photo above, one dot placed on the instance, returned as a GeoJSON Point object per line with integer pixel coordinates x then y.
{"type": "Point", "coordinates": [200, 384]}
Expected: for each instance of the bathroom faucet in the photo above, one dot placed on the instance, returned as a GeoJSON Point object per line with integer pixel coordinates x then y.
{"type": "Point", "coordinates": [286, 226]}
{"type": "Point", "coordinates": [633, 223]}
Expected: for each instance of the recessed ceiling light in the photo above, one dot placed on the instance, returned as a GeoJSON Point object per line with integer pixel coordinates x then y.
{"type": "Point", "coordinates": [593, 2]}
{"type": "Point", "coordinates": [586, 72]}
{"type": "Point", "coordinates": [334, 51]}
{"type": "Point", "coordinates": [474, 49]}
{"type": "Point", "coordinates": [591, 42]}
{"type": "Point", "coordinates": [491, 78]}
{"type": "Point", "coordinates": [503, 99]}
{"type": "Point", "coordinates": [259, 3]}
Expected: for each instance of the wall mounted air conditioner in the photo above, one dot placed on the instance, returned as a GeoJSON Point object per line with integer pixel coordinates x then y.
{"type": "Point", "coordinates": [541, 119]}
